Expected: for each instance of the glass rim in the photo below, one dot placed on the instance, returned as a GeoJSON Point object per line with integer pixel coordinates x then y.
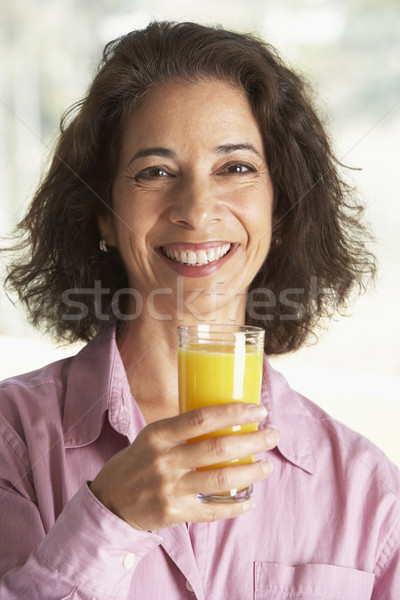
{"type": "Point", "coordinates": [210, 333]}
{"type": "Point", "coordinates": [220, 328]}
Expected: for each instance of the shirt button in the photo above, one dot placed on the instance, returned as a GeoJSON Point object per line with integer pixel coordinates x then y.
{"type": "Point", "coordinates": [189, 587]}
{"type": "Point", "coordinates": [129, 560]}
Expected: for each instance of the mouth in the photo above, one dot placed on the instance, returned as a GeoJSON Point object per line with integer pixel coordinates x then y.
{"type": "Point", "coordinates": [197, 260]}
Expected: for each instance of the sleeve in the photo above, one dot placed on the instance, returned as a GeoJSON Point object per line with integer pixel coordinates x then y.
{"type": "Point", "coordinates": [88, 554]}
{"type": "Point", "coordinates": [387, 580]}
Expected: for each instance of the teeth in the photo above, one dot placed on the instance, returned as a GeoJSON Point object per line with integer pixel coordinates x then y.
{"type": "Point", "coordinates": [211, 255]}
{"type": "Point", "coordinates": [197, 258]}
{"type": "Point", "coordinates": [202, 258]}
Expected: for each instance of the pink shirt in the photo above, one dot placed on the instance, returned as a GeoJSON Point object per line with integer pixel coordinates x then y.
{"type": "Point", "coordinates": [326, 523]}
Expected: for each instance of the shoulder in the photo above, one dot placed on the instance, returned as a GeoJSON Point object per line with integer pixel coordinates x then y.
{"type": "Point", "coordinates": [32, 398]}
{"type": "Point", "coordinates": [338, 452]}
{"type": "Point", "coordinates": [44, 383]}
{"type": "Point", "coordinates": [36, 403]}
{"type": "Point", "coordinates": [52, 374]}
{"type": "Point", "coordinates": [49, 383]}
{"type": "Point", "coordinates": [355, 453]}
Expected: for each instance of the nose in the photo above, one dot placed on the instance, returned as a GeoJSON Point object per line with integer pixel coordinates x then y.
{"type": "Point", "coordinates": [194, 205]}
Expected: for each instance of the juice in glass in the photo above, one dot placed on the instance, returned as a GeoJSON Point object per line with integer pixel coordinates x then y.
{"type": "Point", "coordinates": [216, 365]}
{"type": "Point", "coordinates": [218, 377]}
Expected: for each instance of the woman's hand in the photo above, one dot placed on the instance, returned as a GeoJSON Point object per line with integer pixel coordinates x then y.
{"type": "Point", "coordinates": [154, 483]}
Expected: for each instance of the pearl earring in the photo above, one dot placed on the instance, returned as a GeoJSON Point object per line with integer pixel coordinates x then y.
{"type": "Point", "coordinates": [103, 245]}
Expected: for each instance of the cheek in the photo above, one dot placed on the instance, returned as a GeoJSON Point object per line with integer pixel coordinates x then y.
{"type": "Point", "coordinates": [259, 222]}
{"type": "Point", "coordinates": [132, 219]}
{"type": "Point", "coordinates": [259, 228]}
{"type": "Point", "coordinates": [254, 203]}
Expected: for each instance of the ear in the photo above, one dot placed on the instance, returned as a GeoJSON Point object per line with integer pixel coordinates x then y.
{"type": "Point", "coordinates": [105, 222]}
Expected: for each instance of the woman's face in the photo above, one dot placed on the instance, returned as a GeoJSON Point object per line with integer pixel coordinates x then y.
{"type": "Point", "coordinates": [192, 198]}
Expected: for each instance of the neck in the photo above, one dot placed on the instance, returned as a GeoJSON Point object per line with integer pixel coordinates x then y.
{"type": "Point", "coordinates": [149, 351]}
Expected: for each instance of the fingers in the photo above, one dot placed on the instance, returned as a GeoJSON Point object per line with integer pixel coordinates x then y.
{"type": "Point", "coordinates": [215, 512]}
{"type": "Point", "coordinates": [215, 450]}
{"type": "Point", "coordinates": [217, 481]}
{"type": "Point", "coordinates": [208, 419]}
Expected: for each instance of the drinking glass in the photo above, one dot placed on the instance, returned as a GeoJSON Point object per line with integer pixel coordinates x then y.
{"type": "Point", "coordinates": [218, 364]}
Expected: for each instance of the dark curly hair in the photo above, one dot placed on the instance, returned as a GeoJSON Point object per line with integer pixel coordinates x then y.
{"type": "Point", "coordinates": [318, 255]}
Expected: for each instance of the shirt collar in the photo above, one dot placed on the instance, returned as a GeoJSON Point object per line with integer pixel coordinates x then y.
{"type": "Point", "coordinates": [288, 414]}
{"type": "Point", "coordinates": [97, 383]}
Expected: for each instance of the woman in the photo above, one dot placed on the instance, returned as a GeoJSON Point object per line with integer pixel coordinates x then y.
{"type": "Point", "coordinates": [195, 183]}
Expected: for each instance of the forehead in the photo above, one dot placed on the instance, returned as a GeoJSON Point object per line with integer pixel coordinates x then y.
{"type": "Point", "coordinates": [176, 108]}
{"type": "Point", "coordinates": [195, 92]}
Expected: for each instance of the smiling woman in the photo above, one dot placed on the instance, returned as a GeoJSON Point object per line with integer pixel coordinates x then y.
{"type": "Point", "coordinates": [195, 182]}
{"type": "Point", "coordinates": [317, 233]}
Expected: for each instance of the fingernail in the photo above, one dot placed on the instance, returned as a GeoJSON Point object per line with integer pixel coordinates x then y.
{"type": "Point", "coordinates": [267, 467]}
{"type": "Point", "coordinates": [248, 506]}
{"type": "Point", "coordinates": [272, 437]}
{"type": "Point", "coordinates": [258, 412]}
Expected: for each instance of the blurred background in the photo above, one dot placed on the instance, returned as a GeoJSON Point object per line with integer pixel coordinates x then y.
{"type": "Point", "coordinates": [349, 50]}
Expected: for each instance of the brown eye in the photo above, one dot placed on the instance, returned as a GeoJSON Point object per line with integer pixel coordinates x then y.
{"type": "Point", "coordinates": [239, 168]}
{"type": "Point", "coordinates": [152, 173]}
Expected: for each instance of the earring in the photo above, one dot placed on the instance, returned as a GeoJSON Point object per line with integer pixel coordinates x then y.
{"type": "Point", "coordinates": [277, 241]}
{"type": "Point", "coordinates": [103, 245]}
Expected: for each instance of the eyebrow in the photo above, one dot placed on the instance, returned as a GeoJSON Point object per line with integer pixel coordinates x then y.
{"type": "Point", "coordinates": [227, 148]}
{"type": "Point", "coordinates": [156, 151]}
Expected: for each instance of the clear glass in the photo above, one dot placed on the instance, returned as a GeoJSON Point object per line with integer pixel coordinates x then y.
{"type": "Point", "coordinates": [218, 364]}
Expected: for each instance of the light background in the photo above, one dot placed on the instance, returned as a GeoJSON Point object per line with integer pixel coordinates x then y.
{"type": "Point", "coordinates": [348, 49]}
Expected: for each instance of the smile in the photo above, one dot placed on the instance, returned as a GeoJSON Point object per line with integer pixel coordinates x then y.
{"type": "Point", "coordinates": [196, 258]}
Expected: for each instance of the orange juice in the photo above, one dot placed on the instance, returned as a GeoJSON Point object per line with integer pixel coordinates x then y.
{"type": "Point", "coordinates": [219, 376]}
